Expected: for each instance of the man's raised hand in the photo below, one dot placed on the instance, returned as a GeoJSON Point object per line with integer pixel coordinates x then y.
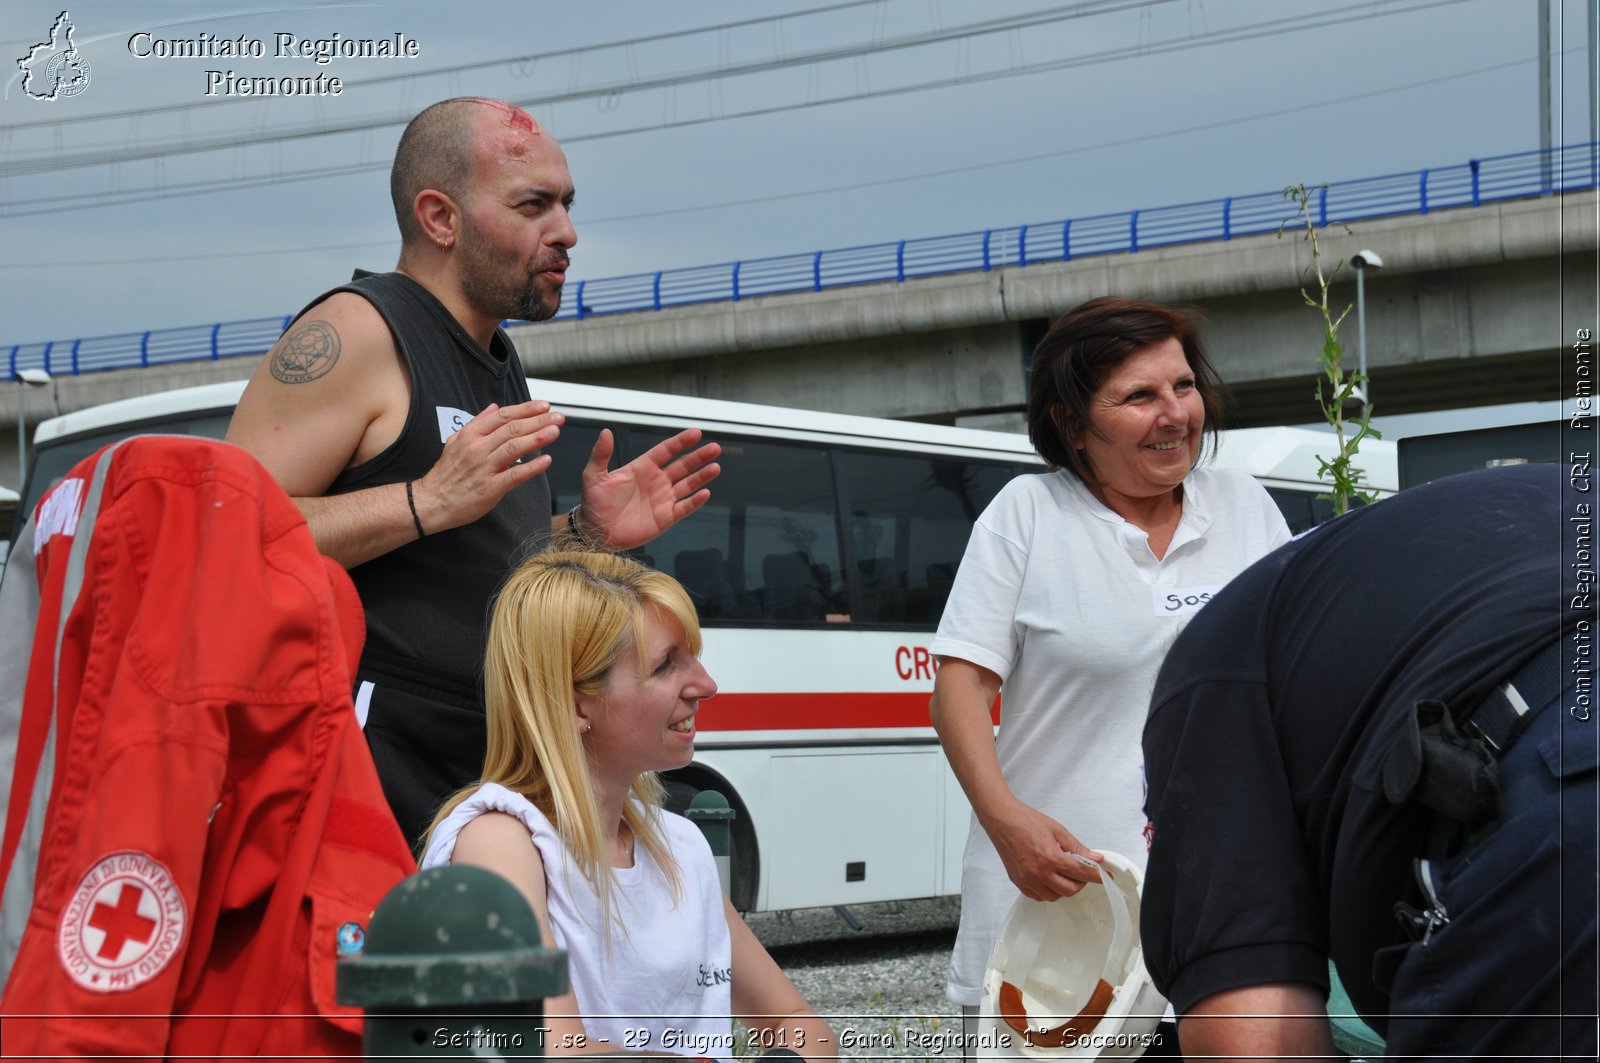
{"type": "Point", "coordinates": [483, 461]}
{"type": "Point", "coordinates": [627, 507]}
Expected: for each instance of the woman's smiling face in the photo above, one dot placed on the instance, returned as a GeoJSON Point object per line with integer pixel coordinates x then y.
{"type": "Point", "coordinates": [1147, 421]}
{"type": "Point", "coordinates": [644, 718]}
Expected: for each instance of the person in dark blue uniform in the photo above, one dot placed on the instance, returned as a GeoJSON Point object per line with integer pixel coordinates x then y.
{"type": "Point", "coordinates": [1378, 745]}
{"type": "Point", "coordinates": [394, 411]}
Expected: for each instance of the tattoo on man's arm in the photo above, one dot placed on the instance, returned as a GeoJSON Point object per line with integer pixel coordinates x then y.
{"type": "Point", "coordinates": [305, 352]}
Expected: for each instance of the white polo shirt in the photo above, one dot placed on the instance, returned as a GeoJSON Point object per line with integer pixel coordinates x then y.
{"type": "Point", "coordinates": [1064, 601]}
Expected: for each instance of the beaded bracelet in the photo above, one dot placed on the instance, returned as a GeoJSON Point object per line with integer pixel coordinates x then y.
{"type": "Point", "coordinates": [411, 501]}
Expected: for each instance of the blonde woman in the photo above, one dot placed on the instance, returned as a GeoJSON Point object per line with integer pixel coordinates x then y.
{"type": "Point", "coordinates": [592, 683]}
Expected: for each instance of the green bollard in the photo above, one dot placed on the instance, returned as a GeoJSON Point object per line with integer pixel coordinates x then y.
{"type": "Point", "coordinates": [452, 966]}
{"type": "Point", "coordinates": [711, 812]}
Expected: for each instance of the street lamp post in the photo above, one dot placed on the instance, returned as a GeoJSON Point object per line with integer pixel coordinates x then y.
{"type": "Point", "coordinates": [1363, 261]}
{"type": "Point", "coordinates": [25, 378]}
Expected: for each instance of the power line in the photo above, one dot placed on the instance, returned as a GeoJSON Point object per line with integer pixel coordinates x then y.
{"type": "Point", "coordinates": [1259, 30]}
{"type": "Point", "coordinates": [859, 185]}
{"type": "Point", "coordinates": [1350, 13]}
{"type": "Point", "coordinates": [628, 42]}
{"type": "Point", "coordinates": [188, 145]}
{"type": "Point", "coordinates": [393, 241]}
{"type": "Point", "coordinates": [1079, 150]}
{"type": "Point", "coordinates": [146, 195]}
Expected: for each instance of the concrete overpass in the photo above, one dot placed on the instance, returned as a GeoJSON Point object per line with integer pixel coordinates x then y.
{"type": "Point", "coordinates": [1475, 306]}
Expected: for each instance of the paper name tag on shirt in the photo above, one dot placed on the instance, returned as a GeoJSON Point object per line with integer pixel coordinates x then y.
{"type": "Point", "coordinates": [1181, 601]}
{"type": "Point", "coordinates": [451, 421]}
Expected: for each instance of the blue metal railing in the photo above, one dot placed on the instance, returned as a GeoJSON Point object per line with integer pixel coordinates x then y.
{"type": "Point", "coordinates": [1471, 184]}
{"type": "Point", "coordinates": [133, 350]}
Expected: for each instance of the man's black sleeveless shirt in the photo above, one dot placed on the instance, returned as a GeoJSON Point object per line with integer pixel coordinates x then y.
{"type": "Point", "coordinates": [427, 603]}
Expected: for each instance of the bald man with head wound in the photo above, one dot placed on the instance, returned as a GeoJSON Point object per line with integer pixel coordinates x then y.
{"type": "Point", "coordinates": [395, 412]}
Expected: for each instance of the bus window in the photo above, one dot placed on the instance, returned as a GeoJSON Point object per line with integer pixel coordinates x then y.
{"type": "Point", "coordinates": [569, 454]}
{"type": "Point", "coordinates": [910, 518]}
{"type": "Point", "coordinates": [765, 549]}
{"type": "Point", "coordinates": [1302, 510]}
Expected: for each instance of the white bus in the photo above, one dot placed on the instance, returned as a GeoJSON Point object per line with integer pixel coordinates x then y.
{"type": "Point", "coordinates": [820, 567]}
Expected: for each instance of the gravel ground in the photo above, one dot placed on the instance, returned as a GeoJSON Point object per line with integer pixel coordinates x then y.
{"type": "Point", "coordinates": [875, 983]}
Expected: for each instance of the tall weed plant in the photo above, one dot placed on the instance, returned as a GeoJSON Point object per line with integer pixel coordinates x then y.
{"type": "Point", "coordinates": [1338, 390]}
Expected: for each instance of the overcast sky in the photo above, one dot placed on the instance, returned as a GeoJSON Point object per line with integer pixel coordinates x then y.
{"type": "Point", "coordinates": [1151, 102]}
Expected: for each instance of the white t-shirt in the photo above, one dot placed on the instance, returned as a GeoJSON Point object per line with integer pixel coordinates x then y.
{"type": "Point", "coordinates": [663, 986]}
{"type": "Point", "coordinates": [1064, 601]}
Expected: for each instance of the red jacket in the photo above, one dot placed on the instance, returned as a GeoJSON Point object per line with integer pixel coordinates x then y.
{"type": "Point", "coordinates": [214, 825]}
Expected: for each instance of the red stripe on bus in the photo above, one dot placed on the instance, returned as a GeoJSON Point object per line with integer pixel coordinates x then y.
{"type": "Point", "coordinates": [816, 712]}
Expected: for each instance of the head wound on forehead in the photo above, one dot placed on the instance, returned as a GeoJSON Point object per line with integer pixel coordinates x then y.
{"type": "Point", "coordinates": [515, 117]}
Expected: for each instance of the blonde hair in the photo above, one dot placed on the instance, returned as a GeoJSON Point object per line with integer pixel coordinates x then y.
{"type": "Point", "coordinates": [560, 624]}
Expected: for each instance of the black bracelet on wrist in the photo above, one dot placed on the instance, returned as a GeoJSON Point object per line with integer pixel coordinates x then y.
{"type": "Point", "coordinates": [411, 501]}
{"type": "Point", "coordinates": [584, 539]}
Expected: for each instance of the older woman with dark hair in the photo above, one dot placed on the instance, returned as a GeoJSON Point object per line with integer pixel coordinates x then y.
{"type": "Point", "coordinates": [1074, 584]}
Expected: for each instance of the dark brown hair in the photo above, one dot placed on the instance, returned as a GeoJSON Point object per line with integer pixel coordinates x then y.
{"type": "Point", "coordinates": [1083, 347]}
